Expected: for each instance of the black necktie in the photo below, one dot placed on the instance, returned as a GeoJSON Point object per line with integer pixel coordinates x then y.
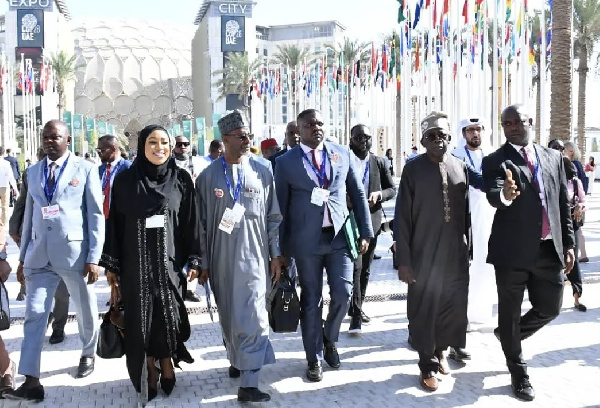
{"type": "Point", "coordinates": [51, 176]}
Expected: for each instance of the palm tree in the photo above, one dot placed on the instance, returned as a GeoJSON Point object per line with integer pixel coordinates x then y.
{"type": "Point", "coordinates": [236, 78]}
{"type": "Point", "coordinates": [350, 52]}
{"type": "Point", "coordinates": [586, 15]}
{"type": "Point", "coordinates": [63, 66]}
{"type": "Point", "coordinates": [293, 56]}
{"type": "Point", "coordinates": [560, 69]}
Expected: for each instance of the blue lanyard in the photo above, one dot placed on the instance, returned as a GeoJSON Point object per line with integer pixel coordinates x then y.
{"type": "Point", "coordinates": [238, 187]}
{"type": "Point", "coordinates": [367, 167]}
{"type": "Point", "coordinates": [537, 167]}
{"type": "Point", "coordinates": [471, 160]}
{"type": "Point", "coordinates": [321, 174]}
{"type": "Point", "coordinates": [50, 194]}
{"type": "Point", "coordinates": [105, 179]}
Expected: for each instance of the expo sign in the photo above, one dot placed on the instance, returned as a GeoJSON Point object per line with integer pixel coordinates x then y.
{"type": "Point", "coordinates": [31, 4]}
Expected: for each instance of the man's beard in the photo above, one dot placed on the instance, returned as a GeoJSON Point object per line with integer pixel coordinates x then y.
{"type": "Point", "coordinates": [474, 144]}
{"type": "Point", "coordinates": [181, 156]}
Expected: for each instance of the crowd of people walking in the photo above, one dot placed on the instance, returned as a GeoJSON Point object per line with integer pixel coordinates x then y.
{"type": "Point", "coordinates": [468, 224]}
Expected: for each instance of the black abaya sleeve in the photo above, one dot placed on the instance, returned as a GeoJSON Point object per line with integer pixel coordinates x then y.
{"type": "Point", "coordinates": [190, 224]}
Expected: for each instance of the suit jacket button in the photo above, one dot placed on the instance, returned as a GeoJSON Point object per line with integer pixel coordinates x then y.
{"type": "Point", "coordinates": [49, 228]}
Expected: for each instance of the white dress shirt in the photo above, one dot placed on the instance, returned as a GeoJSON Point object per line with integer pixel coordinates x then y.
{"type": "Point", "coordinates": [361, 167]}
{"type": "Point", "coordinates": [313, 176]}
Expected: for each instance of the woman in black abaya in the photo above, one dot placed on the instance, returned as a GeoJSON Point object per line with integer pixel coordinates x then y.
{"type": "Point", "coordinates": [152, 233]}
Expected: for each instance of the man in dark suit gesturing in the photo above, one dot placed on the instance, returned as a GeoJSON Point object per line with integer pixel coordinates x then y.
{"type": "Point", "coordinates": [311, 182]}
{"type": "Point", "coordinates": [379, 187]}
{"type": "Point", "coordinates": [532, 237]}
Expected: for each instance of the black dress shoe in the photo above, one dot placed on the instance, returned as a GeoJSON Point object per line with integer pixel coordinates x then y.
{"type": "Point", "coordinates": [376, 257]}
{"type": "Point", "coordinates": [152, 393]}
{"type": "Point", "coordinates": [58, 336]}
{"type": "Point", "coordinates": [522, 388]}
{"type": "Point", "coordinates": [86, 367]}
{"type": "Point", "coordinates": [581, 307]}
{"type": "Point", "coordinates": [24, 393]}
{"type": "Point", "coordinates": [355, 325]}
{"type": "Point", "coordinates": [459, 354]}
{"type": "Point", "coordinates": [331, 355]}
{"type": "Point", "coordinates": [314, 372]}
{"type": "Point", "coordinates": [364, 318]}
{"type": "Point", "coordinates": [234, 372]}
{"type": "Point", "coordinates": [167, 384]}
{"type": "Point", "coordinates": [248, 394]}
{"type": "Point", "coordinates": [191, 296]}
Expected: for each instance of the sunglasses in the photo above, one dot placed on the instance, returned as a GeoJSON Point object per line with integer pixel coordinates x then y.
{"type": "Point", "coordinates": [182, 144]}
{"type": "Point", "coordinates": [362, 138]}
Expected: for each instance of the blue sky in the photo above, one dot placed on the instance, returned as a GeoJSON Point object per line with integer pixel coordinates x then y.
{"type": "Point", "coordinates": [363, 19]}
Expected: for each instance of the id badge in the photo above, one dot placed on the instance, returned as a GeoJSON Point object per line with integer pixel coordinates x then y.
{"type": "Point", "coordinates": [319, 196]}
{"type": "Point", "coordinates": [156, 221]}
{"type": "Point", "coordinates": [51, 212]}
{"type": "Point", "coordinates": [231, 216]}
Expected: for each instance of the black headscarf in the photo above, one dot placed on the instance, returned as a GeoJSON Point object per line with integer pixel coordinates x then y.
{"type": "Point", "coordinates": [154, 183]}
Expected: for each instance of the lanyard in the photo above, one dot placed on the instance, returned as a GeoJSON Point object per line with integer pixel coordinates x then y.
{"type": "Point", "coordinates": [238, 187]}
{"type": "Point", "coordinates": [537, 167]}
{"type": "Point", "coordinates": [471, 159]}
{"type": "Point", "coordinates": [367, 167]}
{"type": "Point", "coordinates": [50, 194]}
{"type": "Point", "coordinates": [321, 174]}
{"type": "Point", "coordinates": [113, 171]}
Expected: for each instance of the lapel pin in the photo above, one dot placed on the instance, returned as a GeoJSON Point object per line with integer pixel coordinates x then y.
{"type": "Point", "coordinates": [218, 192]}
{"type": "Point", "coordinates": [335, 158]}
{"type": "Point", "coordinates": [74, 182]}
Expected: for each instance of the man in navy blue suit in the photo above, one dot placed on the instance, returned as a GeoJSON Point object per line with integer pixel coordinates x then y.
{"type": "Point", "coordinates": [112, 165]}
{"type": "Point", "coordinates": [312, 181]}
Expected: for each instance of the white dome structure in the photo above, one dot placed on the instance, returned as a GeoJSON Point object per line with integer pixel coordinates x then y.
{"type": "Point", "coordinates": [132, 73]}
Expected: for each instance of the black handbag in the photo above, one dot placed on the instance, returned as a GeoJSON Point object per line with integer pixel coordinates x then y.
{"type": "Point", "coordinates": [111, 339]}
{"type": "Point", "coordinates": [4, 308]}
{"type": "Point", "coordinates": [284, 305]}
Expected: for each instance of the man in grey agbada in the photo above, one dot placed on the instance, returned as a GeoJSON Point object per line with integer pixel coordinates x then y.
{"type": "Point", "coordinates": [239, 222]}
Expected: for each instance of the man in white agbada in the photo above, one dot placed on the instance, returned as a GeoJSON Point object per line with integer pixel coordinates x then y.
{"type": "Point", "coordinates": [482, 287]}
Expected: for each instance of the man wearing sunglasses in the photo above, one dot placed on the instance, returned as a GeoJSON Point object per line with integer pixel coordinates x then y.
{"type": "Point", "coordinates": [432, 235]}
{"type": "Point", "coordinates": [379, 187]}
{"type": "Point", "coordinates": [192, 164]}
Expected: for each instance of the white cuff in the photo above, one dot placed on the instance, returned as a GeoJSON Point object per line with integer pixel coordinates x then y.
{"type": "Point", "coordinates": [503, 199]}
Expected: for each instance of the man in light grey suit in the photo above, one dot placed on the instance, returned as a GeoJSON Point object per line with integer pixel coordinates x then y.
{"type": "Point", "coordinates": [312, 181]}
{"type": "Point", "coordinates": [63, 235]}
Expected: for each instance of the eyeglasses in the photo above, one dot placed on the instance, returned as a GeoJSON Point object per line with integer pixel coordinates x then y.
{"type": "Point", "coordinates": [362, 138]}
{"type": "Point", "coordinates": [101, 149]}
{"type": "Point", "coordinates": [310, 125]}
{"type": "Point", "coordinates": [249, 136]}
{"type": "Point", "coordinates": [508, 123]}
{"type": "Point", "coordinates": [182, 144]}
{"type": "Point", "coordinates": [433, 136]}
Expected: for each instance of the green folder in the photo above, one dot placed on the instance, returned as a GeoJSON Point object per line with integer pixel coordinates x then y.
{"type": "Point", "coordinates": [352, 235]}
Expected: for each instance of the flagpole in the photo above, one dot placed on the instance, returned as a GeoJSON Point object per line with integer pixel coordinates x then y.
{"type": "Point", "coordinates": [542, 81]}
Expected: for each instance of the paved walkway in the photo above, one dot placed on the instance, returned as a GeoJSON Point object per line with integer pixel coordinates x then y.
{"type": "Point", "coordinates": [378, 369]}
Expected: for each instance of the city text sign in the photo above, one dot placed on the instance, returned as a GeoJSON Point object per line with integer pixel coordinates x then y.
{"type": "Point", "coordinates": [45, 5]}
{"type": "Point", "coordinates": [235, 8]}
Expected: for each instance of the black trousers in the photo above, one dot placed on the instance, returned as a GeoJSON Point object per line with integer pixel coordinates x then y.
{"type": "Point", "coordinates": [544, 283]}
{"type": "Point", "coordinates": [362, 271]}
{"type": "Point", "coordinates": [430, 362]}
{"type": "Point", "coordinates": [575, 276]}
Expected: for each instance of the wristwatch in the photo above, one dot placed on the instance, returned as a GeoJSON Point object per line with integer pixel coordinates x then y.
{"type": "Point", "coordinates": [3, 256]}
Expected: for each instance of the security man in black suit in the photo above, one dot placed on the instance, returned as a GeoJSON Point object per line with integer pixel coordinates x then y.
{"type": "Point", "coordinates": [532, 237]}
{"type": "Point", "coordinates": [379, 187]}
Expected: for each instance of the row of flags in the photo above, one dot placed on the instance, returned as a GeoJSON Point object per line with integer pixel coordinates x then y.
{"type": "Point", "coordinates": [27, 76]}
